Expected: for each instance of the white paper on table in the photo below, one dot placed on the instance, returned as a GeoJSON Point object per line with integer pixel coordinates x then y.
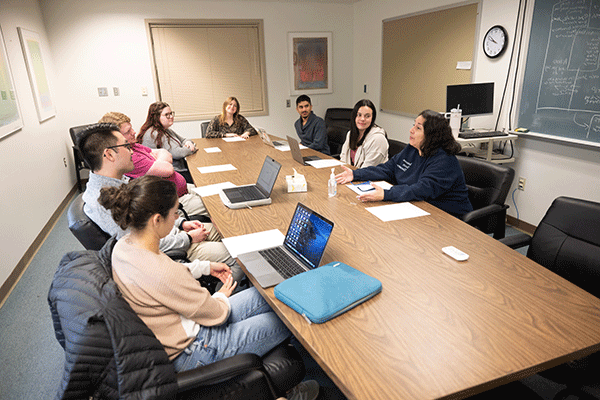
{"type": "Point", "coordinates": [383, 184]}
{"type": "Point", "coordinates": [393, 212]}
{"type": "Point", "coordinates": [286, 147]}
{"type": "Point", "coordinates": [253, 242]}
{"type": "Point", "coordinates": [210, 190]}
{"type": "Point", "coordinates": [234, 139]}
{"type": "Point", "coordinates": [325, 163]}
{"type": "Point", "coordinates": [212, 150]}
{"type": "Point", "coordinates": [216, 168]}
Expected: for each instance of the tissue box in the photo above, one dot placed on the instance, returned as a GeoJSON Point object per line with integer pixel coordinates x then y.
{"type": "Point", "coordinates": [296, 184]}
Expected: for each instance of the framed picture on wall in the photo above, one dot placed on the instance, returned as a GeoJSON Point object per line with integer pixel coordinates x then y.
{"type": "Point", "coordinates": [32, 50]}
{"type": "Point", "coordinates": [10, 115]}
{"type": "Point", "coordinates": [310, 62]}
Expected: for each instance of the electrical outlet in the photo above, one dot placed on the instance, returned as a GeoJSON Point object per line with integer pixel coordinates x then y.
{"type": "Point", "coordinates": [144, 91]}
{"type": "Point", "coordinates": [102, 92]}
{"type": "Point", "coordinates": [65, 161]}
{"type": "Point", "coordinates": [288, 103]}
{"type": "Point", "coordinates": [116, 91]}
{"type": "Point", "coordinates": [521, 183]}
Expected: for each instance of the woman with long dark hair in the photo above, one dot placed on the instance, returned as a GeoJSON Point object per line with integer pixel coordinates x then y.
{"type": "Point", "coordinates": [156, 133]}
{"type": "Point", "coordinates": [366, 143]}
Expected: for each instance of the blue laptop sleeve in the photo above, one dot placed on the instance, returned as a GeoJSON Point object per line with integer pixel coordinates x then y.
{"type": "Point", "coordinates": [326, 292]}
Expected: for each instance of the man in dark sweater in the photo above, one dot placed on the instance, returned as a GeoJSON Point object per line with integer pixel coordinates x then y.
{"type": "Point", "coordinates": [310, 129]}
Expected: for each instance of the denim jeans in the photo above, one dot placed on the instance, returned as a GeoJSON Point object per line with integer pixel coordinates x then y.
{"type": "Point", "coordinates": [252, 327]}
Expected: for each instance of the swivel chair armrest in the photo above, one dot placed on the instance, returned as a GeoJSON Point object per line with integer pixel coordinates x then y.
{"type": "Point", "coordinates": [218, 371]}
{"type": "Point", "coordinates": [517, 241]}
{"type": "Point", "coordinates": [177, 255]}
{"type": "Point", "coordinates": [336, 156]}
{"type": "Point", "coordinates": [483, 212]}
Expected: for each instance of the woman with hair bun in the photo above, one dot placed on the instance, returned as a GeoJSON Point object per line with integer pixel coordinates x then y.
{"type": "Point", "coordinates": [194, 327]}
{"type": "Point", "coordinates": [426, 170]}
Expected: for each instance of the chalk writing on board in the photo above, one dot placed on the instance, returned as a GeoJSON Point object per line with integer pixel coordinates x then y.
{"type": "Point", "coordinates": [568, 89]}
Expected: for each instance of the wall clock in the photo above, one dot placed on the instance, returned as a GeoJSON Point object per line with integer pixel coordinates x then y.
{"type": "Point", "coordinates": [495, 41]}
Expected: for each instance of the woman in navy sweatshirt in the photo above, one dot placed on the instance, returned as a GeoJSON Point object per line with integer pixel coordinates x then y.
{"type": "Point", "coordinates": [426, 170]}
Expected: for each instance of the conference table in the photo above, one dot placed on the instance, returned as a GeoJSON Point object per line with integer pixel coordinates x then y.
{"type": "Point", "coordinates": [440, 328]}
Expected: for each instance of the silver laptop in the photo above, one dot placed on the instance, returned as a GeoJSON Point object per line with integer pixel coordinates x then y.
{"type": "Point", "coordinates": [248, 196]}
{"type": "Point", "coordinates": [301, 250]}
{"type": "Point", "coordinates": [295, 149]}
{"type": "Point", "coordinates": [267, 139]}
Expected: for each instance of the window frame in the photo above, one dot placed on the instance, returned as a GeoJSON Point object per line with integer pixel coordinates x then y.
{"type": "Point", "coordinates": [207, 23]}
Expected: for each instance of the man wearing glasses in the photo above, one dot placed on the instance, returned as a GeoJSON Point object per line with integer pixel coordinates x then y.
{"type": "Point", "coordinates": [109, 156]}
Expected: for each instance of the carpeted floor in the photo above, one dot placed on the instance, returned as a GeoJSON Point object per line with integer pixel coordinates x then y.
{"type": "Point", "coordinates": [32, 359]}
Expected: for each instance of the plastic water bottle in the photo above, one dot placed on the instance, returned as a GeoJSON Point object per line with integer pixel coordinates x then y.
{"type": "Point", "coordinates": [332, 184]}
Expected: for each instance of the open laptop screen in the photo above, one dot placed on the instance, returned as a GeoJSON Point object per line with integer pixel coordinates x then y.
{"type": "Point", "coordinates": [308, 235]}
{"type": "Point", "coordinates": [268, 175]}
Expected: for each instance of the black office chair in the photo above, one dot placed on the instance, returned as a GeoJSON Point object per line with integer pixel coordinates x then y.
{"type": "Point", "coordinates": [110, 353]}
{"type": "Point", "coordinates": [488, 185]}
{"type": "Point", "coordinates": [203, 127]}
{"type": "Point", "coordinates": [89, 234]}
{"type": "Point", "coordinates": [567, 242]}
{"type": "Point", "coordinates": [395, 147]}
{"type": "Point", "coordinates": [337, 121]}
{"type": "Point", "coordinates": [78, 160]}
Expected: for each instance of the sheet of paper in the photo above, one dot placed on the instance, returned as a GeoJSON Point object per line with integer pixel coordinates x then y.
{"type": "Point", "coordinates": [216, 168]}
{"type": "Point", "coordinates": [392, 212]}
{"type": "Point", "coordinates": [325, 163]}
{"type": "Point", "coordinates": [210, 190]}
{"type": "Point", "coordinates": [356, 190]}
{"type": "Point", "coordinates": [253, 242]}
{"type": "Point", "coordinates": [212, 150]}
{"type": "Point", "coordinates": [286, 147]}
{"type": "Point", "coordinates": [234, 139]}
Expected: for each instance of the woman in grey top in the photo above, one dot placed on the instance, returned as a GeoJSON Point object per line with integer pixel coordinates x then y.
{"type": "Point", "coordinates": [156, 133]}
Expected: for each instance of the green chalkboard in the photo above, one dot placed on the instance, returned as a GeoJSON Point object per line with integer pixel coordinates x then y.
{"type": "Point", "coordinates": [561, 86]}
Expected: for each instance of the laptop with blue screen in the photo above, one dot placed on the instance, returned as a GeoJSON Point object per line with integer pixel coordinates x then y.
{"type": "Point", "coordinates": [302, 249]}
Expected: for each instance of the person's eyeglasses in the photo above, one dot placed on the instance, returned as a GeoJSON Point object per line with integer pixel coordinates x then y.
{"type": "Point", "coordinates": [169, 115]}
{"type": "Point", "coordinates": [126, 145]}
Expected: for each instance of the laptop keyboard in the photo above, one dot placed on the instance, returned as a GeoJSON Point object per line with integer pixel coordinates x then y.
{"type": "Point", "coordinates": [282, 262]}
{"type": "Point", "coordinates": [480, 134]}
{"type": "Point", "coordinates": [251, 193]}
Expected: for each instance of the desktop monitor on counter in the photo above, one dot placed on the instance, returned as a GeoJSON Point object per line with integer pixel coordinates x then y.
{"type": "Point", "coordinates": [473, 99]}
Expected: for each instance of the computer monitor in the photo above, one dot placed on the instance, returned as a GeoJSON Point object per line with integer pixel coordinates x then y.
{"type": "Point", "coordinates": [474, 98]}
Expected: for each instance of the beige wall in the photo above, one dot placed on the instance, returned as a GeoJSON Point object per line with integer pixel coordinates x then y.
{"type": "Point", "coordinates": [34, 179]}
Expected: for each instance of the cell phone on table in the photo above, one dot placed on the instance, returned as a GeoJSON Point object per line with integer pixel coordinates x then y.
{"type": "Point", "coordinates": [364, 187]}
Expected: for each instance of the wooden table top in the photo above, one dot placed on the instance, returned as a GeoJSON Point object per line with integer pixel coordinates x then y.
{"type": "Point", "coordinates": [440, 328]}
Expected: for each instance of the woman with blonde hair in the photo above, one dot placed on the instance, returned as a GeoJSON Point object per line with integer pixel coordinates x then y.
{"type": "Point", "coordinates": [230, 123]}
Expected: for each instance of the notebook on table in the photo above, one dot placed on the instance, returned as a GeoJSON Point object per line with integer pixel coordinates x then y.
{"type": "Point", "coordinates": [297, 155]}
{"type": "Point", "coordinates": [258, 194]}
{"type": "Point", "coordinates": [302, 249]}
{"type": "Point", "coordinates": [267, 139]}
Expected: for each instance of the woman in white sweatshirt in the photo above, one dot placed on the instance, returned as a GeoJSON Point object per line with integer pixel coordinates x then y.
{"type": "Point", "coordinates": [366, 143]}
